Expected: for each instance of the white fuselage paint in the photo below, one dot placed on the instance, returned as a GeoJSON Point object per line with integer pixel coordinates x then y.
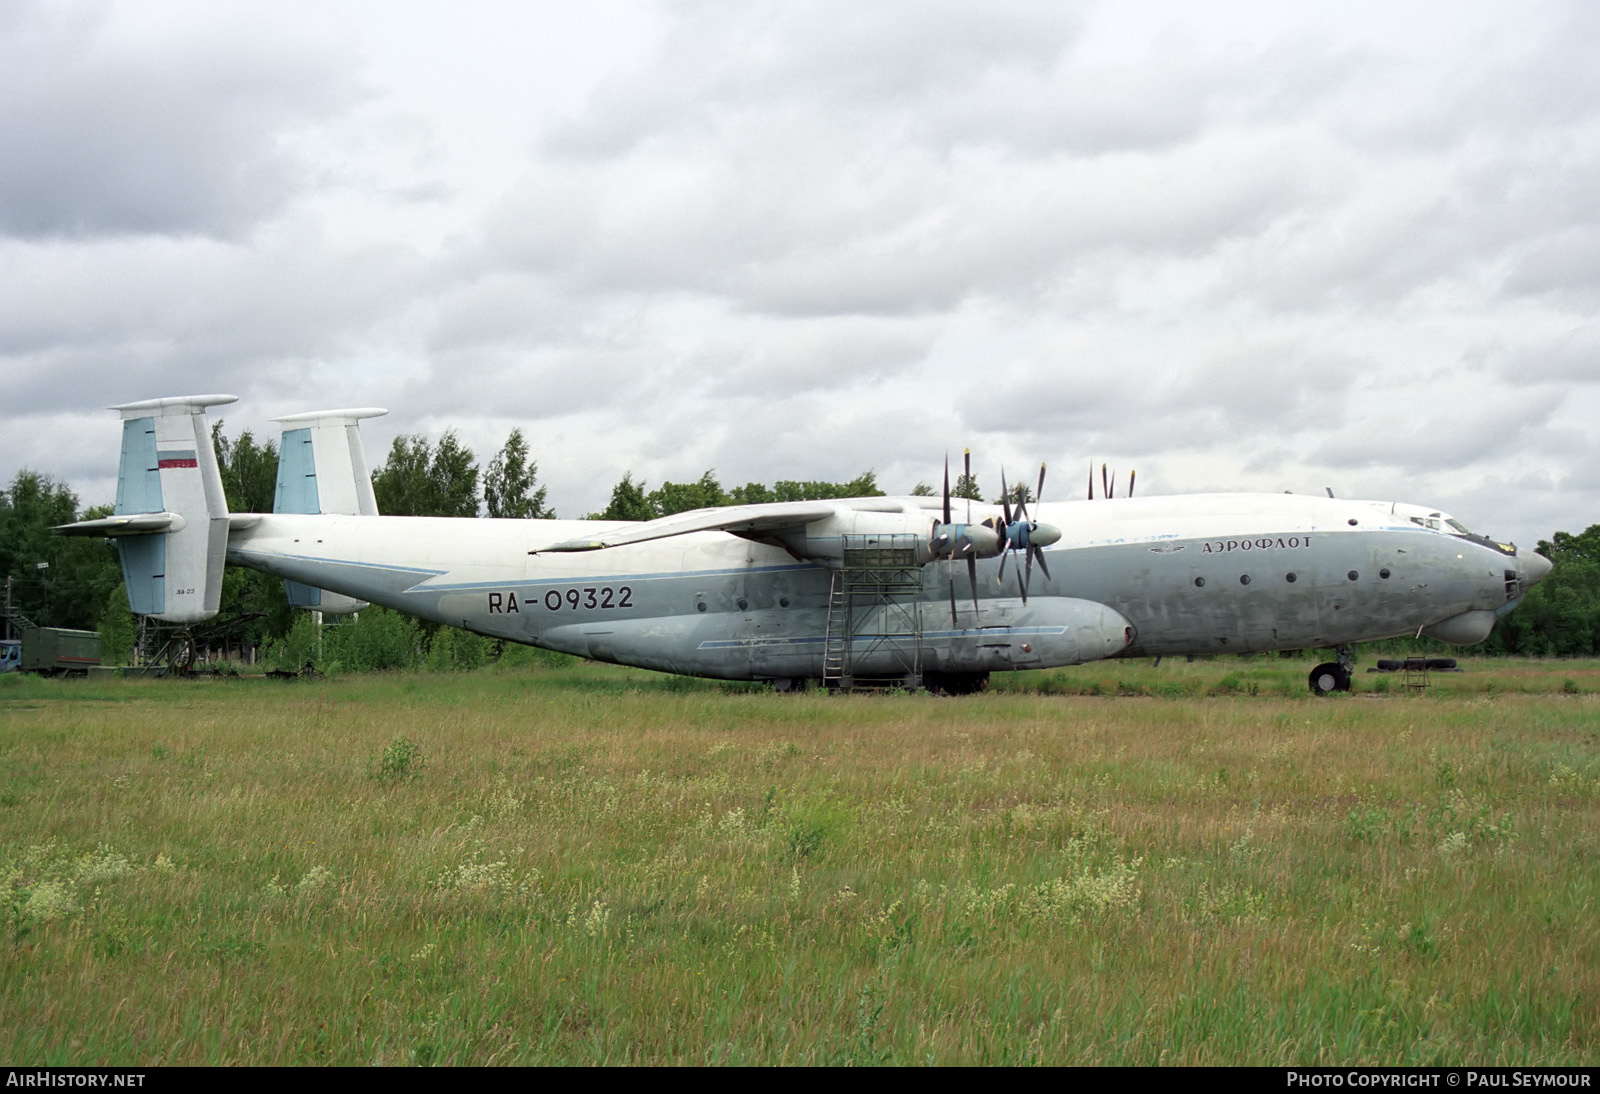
{"type": "Point", "coordinates": [1157, 575]}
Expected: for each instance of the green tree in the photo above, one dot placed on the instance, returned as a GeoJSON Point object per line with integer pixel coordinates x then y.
{"type": "Point", "coordinates": [864, 485]}
{"type": "Point", "coordinates": [508, 485]}
{"type": "Point", "coordinates": [455, 650]}
{"type": "Point", "coordinates": [421, 480]}
{"type": "Point", "coordinates": [56, 581]}
{"type": "Point", "coordinates": [680, 497]}
{"type": "Point", "coordinates": [255, 609]}
{"type": "Point", "coordinates": [249, 471]}
{"type": "Point", "coordinates": [1019, 493]}
{"type": "Point", "coordinates": [117, 629]}
{"type": "Point", "coordinates": [966, 487]}
{"type": "Point", "coordinates": [377, 639]}
{"type": "Point", "coordinates": [1560, 616]}
{"type": "Point", "coordinates": [751, 493]}
{"type": "Point", "coordinates": [628, 502]}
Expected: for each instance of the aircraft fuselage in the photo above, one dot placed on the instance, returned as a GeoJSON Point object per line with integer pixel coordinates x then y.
{"type": "Point", "coordinates": [1198, 574]}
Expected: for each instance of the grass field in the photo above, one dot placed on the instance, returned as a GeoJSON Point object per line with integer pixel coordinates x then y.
{"type": "Point", "coordinates": [1120, 864]}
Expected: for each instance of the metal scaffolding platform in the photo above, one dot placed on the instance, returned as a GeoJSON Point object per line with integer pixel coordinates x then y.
{"type": "Point", "coordinates": [874, 636]}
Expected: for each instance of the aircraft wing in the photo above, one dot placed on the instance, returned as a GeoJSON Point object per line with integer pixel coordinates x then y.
{"type": "Point", "coordinates": [750, 521]}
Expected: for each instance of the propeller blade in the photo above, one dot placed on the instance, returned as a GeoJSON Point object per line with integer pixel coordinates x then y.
{"type": "Point", "coordinates": [1005, 498]}
{"type": "Point", "coordinates": [1131, 474]}
{"type": "Point", "coordinates": [1027, 576]}
{"type": "Point", "coordinates": [1113, 492]}
{"type": "Point", "coordinates": [1091, 480]}
{"type": "Point", "coordinates": [1038, 495]}
{"type": "Point", "coordinates": [1105, 483]}
{"type": "Point", "coordinates": [972, 579]}
{"type": "Point", "coordinates": [953, 621]}
{"type": "Point", "coordinates": [947, 488]}
{"type": "Point", "coordinates": [1040, 552]}
{"type": "Point", "coordinates": [967, 483]}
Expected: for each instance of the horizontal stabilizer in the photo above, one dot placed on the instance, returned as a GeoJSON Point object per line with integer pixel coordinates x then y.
{"type": "Point", "coordinates": [137, 524]}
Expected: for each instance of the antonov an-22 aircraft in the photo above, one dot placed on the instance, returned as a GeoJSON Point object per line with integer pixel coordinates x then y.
{"type": "Point", "coordinates": [843, 591]}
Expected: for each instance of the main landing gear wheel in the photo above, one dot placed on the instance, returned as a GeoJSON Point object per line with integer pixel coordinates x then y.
{"type": "Point", "coordinates": [179, 653]}
{"type": "Point", "coordinates": [1328, 678]}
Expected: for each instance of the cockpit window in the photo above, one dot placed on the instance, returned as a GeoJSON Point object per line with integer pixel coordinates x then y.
{"type": "Point", "coordinates": [1427, 522]}
{"type": "Point", "coordinates": [1461, 529]}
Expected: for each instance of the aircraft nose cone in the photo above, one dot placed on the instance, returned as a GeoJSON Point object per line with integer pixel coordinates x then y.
{"type": "Point", "coordinates": [1534, 568]}
{"type": "Point", "coordinates": [1043, 535]}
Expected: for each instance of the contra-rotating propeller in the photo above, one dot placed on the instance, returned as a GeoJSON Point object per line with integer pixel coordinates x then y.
{"type": "Point", "coordinates": [1022, 534]}
{"type": "Point", "coordinates": [950, 541]}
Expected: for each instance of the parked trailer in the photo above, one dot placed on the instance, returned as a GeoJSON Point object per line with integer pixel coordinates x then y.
{"type": "Point", "coordinates": [52, 651]}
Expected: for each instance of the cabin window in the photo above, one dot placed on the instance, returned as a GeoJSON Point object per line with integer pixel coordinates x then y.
{"type": "Point", "coordinates": [1244, 579]}
{"type": "Point", "coordinates": [1199, 583]}
{"type": "Point", "coordinates": [1291, 577]}
{"type": "Point", "coordinates": [1352, 575]}
{"type": "Point", "coordinates": [1384, 573]}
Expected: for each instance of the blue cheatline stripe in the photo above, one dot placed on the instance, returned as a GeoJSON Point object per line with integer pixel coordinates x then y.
{"type": "Point", "coordinates": [986, 632]}
{"type": "Point", "coordinates": [138, 475]}
{"type": "Point", "coordinates": [588, 579]}
{"type": "Point", "coordinates": [297, 475]}
{"type": "Point", "coordinates": [242, 552]}
{"type": "Point", "coordinates": [512, 582]}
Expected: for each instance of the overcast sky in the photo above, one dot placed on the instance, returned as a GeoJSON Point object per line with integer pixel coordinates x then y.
{"type": "Point", "coordinates": [1235, 246]}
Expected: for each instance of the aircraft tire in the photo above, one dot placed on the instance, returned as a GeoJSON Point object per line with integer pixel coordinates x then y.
{"type": "Point", "coordinates": [1441, 662]}
{"type": "Point", "coordinates": [1328, 678]}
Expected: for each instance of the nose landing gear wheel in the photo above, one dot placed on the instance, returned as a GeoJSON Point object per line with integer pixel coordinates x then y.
{"type": "Point", "coordinates": [1328, 678]}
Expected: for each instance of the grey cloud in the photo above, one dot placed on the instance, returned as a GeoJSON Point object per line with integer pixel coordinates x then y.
{"type": "Point", "coordinates": [1460, 436]}
{"type": "Point", "coordinates": [101, 137]}
{"type": "Point", "coordinates": [1563, 266]}
{"type": "Point", "coordinates": [1571, 356]}
{"type": "Point", "coordinates": [823, 226]}
{"type": "Point", "coordinates": [128, 316]}
{"type": "Point", "coordinates": [836, 56]}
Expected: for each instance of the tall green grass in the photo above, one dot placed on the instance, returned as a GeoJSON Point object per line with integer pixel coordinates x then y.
{"type": "Point", "coordinates": [589, 864]}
